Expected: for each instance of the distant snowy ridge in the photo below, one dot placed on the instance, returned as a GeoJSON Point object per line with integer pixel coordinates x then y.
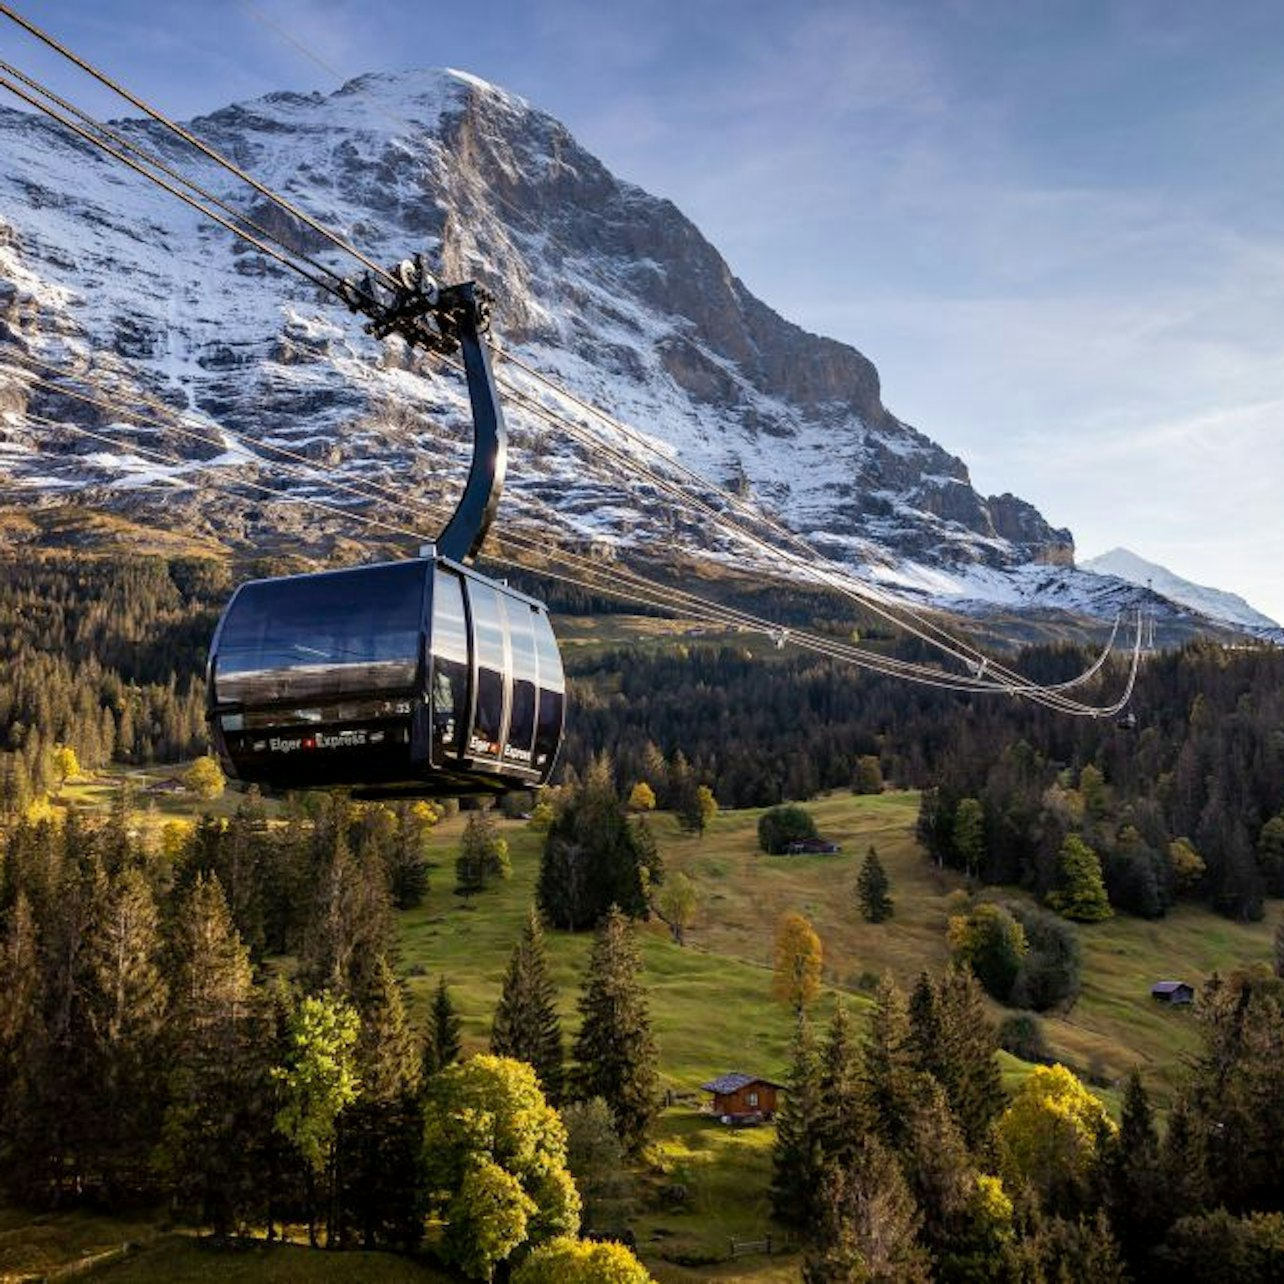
{"type": "Point", "coordinates": [1216, 604]}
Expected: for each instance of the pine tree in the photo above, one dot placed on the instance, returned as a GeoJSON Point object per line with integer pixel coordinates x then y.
{"type": "Point", "coordinates": [845, 1118]}
{"type": "Point", "coordinates": [967, 1066]}
{"type": "Point", "coordinates": [58, 1126]}
{"type": "Point", "coordinates": [128, 1004]}
{"type": "Point", "coordinates": [1079, 1249]}
{"type": "Point", "coordinates": [470, 878]}
{"type": "Point", "coordinates": [872, 889]}
{"type": "Point", "coordinates": [441, 1045]}
{"type": "Point", "coordinates": [926, 1033]}
{"type": "Point", "coordinates": [595, 1155]}
{"type": "Point", "coordinates": [526, 1026]}
{"type": "Point", "coordinates": [220, 1102]}
{"type": "Point", "coordinates": [288, 885]}
{"type": "Point", "coordinates": [20, 967]}
{"type": "Point", "coordinates": [378, 1142]}
{"type": "Point", "coordinates": [483, 855]}
{"type": "Point", "coordinates": [1183, 1161]}
{"type": "Point", "coordinates": [407, 863]}
{"type": "Point", "coordinates": [349, 924]}
{"type": "Point", "coordinates": [886, 1065]}
{"type": "Point", "coordinates": [868, 1225]}
{"type": "Point", "coordinates": [797, 1159]}
{"type": "Point", "coordinates": [655, 770]}
{"type": "Point", "coordinates": [938, 1169]}
{"type": "Point", "coordinates": [24, 1042]}
{"type": "Point", "coordinates": [615, 1053]}
{"type": "Point", "coordinates": [240, 868]}
{"type": "Point", "coordinates": [595, 857]}
{"type": "Point", "coordinates": [387, 1058]}
{"type": "Point", "coordinates": [1081, 892]}
{"type": "Point", "coordinates": [1136, 1198]}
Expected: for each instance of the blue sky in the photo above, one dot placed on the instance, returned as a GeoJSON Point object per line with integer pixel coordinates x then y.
{"type": "Point", "coordinates": [1056, 227]}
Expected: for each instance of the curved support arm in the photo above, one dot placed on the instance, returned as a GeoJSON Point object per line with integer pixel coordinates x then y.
{"type": "Point", "coordinates": [464, 534]}
{"type": "Point", "coordinates": [409, 302]}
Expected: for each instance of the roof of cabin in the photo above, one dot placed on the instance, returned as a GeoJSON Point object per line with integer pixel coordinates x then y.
{"type": "Point", "coordinates": [734, 1081]}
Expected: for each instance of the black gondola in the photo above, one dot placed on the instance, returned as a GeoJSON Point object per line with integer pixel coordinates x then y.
{"type": "Point", "coordinates": [417, 678]}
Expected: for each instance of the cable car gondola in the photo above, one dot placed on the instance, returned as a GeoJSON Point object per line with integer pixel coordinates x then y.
{"type": "Point", "coordinates": [415, 678]}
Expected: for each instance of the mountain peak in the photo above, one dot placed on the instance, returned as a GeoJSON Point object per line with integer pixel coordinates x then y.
{"type": "Point", "coordinates": [1217, 604]}
{"type": "Point", "coordinates": [471, 81]}
{"type": "Point", "coordinates": [402, 96]}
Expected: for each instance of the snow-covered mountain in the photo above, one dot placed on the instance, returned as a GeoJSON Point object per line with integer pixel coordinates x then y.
{"type": "Point", "coordinates": [1215, 604]}
{"type": "Point", "coordinates": [608, 290]}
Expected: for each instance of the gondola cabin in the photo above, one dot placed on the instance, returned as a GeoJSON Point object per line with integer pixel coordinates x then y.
{"type": "Point", "coordinates": [417, 678]}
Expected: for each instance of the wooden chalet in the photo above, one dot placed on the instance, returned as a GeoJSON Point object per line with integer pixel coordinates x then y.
{"type": "Point", "coordinates": [812, 847]}
{"type": "Point", "coordinates": [743, 1098]}
{"type": "Point", "coordinates": [1174, 992]}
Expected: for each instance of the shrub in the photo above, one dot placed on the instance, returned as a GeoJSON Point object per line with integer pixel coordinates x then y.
{"type": "Point", "coordinates": [1049, 974]}
{"type": "Point", "coordinates": [780, 826]}
{"type": "Point", "coordinates": [1021, 1034]}
{"type": "Point", "coordinates": [868, 777]}
{"type": "Point", "coordinates": [1221, 1246]}
{"type": "Point", "coordinates": [571, 1261]}
{"type": "Point", "coordinates": [992, 943]}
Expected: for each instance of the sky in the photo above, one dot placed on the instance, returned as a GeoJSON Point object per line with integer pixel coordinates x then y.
{"type": "Point", "coordinates": [1055, 226]}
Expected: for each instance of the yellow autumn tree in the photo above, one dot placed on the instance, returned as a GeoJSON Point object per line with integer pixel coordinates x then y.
{"type": "Point", "coordinates": [798, 960]}
{"type": "Point", "coordinates": [642, 797]}
{"type": "Point", "coordinates": [65, 764]}
{"type": "Point", "coordinates": [1048, 1136]}
{"type": "Point", "coordinates": [205, 778]}
{"type": "Point", "coordinates": [577, 1261]}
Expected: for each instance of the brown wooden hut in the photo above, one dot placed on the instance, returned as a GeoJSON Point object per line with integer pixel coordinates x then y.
{"type": "Point", "coordinates": [1175, 992]}
{"type": "Point", "coordinates": [742, 1098]}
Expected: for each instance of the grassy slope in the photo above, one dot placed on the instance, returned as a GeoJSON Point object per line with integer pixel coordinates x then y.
{"type": "Point", "coordinates": [181, 1259]}
{"type": "Point", "coordinates": [711, 1002]}
{"type": "Point", "coordinates": [1116, 1024]}
{"type": "Point", "coordinates": [712, 1009]}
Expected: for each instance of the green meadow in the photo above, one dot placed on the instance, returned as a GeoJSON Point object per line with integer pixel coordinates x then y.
{"type": "Point", "coordinates": [711, 1005]}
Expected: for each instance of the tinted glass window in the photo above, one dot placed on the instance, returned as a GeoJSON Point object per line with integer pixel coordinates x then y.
{"type": "Point", "coordinates": [548, 731]}
{"type": "Point", "coordinates": [488, 639]}
{"type": "Point", "coordinates": [552, 698]}
{"type": "Point", "coordinates": [550, 658]}
{"type": "Point", "coordinates": [322, 636]}
{"type": "Point", "coordinates": [450, 661]}
{"type": "Point", "coordinates": [521, 718]}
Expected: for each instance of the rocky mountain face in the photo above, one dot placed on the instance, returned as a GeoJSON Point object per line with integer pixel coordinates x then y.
{"type": "Point", "coordinates": [606, 289]}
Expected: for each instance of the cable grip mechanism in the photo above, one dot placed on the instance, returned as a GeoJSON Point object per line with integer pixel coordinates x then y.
{"type": "Point", "coordinates": [411, 303]}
